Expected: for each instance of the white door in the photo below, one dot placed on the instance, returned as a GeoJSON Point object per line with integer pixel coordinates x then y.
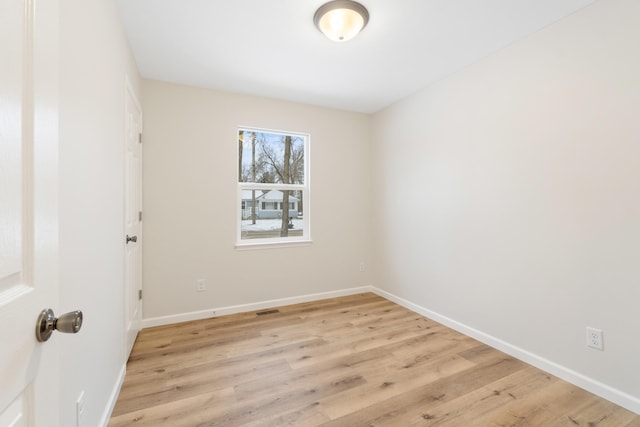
{"type": "Point", "coordinates": [133, 219]}
{"type": "Point", "coordinates": [28, 210]}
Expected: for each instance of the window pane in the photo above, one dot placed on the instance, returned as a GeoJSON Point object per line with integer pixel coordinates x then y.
{"type": "Point", "coordinates": [266, 220]}
{"type": "Point", "coordinates": [270, 158]}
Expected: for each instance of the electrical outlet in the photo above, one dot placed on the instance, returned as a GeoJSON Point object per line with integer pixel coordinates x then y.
{"type": "Point", "coordinates": [80, 410]}
{"type": "Point", "coordinates": [594, 338]}
{"type": "Point", "coordinates": [362, 266]}
{"type": "Point", "coordinates": [201, 285]}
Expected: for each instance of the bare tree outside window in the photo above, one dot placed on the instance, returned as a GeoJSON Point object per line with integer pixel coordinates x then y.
{"type": "Point", "coordinates": [272, 168]}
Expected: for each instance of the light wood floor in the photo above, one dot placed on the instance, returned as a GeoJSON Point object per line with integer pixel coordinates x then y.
{"type": "Point", "coordinates": [354, 361]}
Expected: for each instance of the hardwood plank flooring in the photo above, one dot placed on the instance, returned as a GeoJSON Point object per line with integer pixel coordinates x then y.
{"type": "Point", "coordinates": [352, 361]}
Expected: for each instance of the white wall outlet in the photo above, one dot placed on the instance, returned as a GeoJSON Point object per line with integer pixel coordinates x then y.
{"type": "Point", "coordinates": [201, 285]}
{"type": "Point", "coordinates": [80, 410]}
{"type": "Point", "coordinates": [595, 338]}
{"type": "Point", "coordinates": [362, 266]}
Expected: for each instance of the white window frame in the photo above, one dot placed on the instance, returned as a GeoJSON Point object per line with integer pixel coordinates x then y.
{"type": "Point", "coordinates": [305, 238]}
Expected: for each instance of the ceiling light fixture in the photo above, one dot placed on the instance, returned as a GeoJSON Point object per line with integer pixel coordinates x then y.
{"type": "Point", "coordinates": [341, 20]}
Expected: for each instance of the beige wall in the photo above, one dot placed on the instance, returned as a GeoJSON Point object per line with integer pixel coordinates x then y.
{"type": "Point", "coordinates": [190, 177]}
{"type": "Point", "coordinates": [524, 176]}
{"type": "Point", "coordinates": [94, 58]}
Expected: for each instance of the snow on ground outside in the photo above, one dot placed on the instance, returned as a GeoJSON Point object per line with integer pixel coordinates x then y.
{"type": "Point", "coordinates": [269, 225]}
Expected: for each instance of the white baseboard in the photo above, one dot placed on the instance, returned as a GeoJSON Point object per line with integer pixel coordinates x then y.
{"type": "Point", "coordinates": [221, 311]}
{"type": "Point", "coordinates": [114, 397]}
{"type": "Point", "coordinates": [606, 392]}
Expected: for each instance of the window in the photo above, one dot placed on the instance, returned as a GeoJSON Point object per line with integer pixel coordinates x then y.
{"type": "Point", "coordinates": [273, 187]}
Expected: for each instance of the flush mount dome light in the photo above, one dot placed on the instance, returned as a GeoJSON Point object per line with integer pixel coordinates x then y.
{"type": "Point", "coordinates": [341, 20]}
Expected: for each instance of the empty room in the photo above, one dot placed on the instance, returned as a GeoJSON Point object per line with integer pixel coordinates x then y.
{"type": "Point", "coordinates": [312, 213]}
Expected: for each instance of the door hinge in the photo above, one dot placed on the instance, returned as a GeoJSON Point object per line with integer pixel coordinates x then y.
{"type": "Point", "coordinates": [139, 215]}
{"type": "Point", "coordinates": [140, 137]}
{"type": "Point", "coordinates": [139, 293]}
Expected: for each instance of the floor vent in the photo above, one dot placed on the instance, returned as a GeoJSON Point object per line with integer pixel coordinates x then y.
{"type": "Point", "coordinates": [262, 313]}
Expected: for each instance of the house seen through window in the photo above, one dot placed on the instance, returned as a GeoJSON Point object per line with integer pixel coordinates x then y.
{"type": "Point", "coordinates": [273, 191]}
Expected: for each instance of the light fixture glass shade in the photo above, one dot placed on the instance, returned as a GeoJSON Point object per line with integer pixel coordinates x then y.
{"type": "Point", "coordinates": [341, 20]}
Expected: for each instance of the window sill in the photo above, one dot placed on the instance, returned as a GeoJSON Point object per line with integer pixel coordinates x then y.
{"type": "Point", "coordinates": [272, 245]}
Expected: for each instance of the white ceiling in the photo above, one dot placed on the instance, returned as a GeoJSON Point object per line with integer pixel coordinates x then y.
{"type": "Point", "coordinates": [271, 48]}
